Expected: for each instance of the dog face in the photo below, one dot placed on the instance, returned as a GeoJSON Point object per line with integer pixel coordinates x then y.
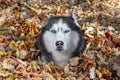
{"type": "Point", "coordinates": [60, 38]}
{"type": "Point", "coordinates": [60, 35]}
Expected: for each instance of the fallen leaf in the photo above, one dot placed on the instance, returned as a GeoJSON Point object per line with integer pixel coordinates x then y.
{"type": "Point", "coordinates": [3, 19]}
{"type": "Point", "coordinates": [12, 77]}
{"type": "Point", "coordinates": [92, 73]}
{"type": "Point", "coordinates": [3, 53]}
{"type": "Point", "coordinates": [1, 38]}
{"type": "Point", "coordinates": [74, 61]}
{"type": "Point", "coordinates": [99, 74]}
{"type": "Point", "coordinates": [107, 34]}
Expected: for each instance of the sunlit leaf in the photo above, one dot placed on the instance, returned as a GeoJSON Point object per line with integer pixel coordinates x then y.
{"type": "Point", "coordinates": [99, 74]}
{"type": "Point", "coordinates": [3, 53]}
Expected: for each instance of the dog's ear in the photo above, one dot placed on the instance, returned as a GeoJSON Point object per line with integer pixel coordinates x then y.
{"type": "Point", "coordinates": [74, 18]}
{"type": "Point", "coordinates": [50, 16]}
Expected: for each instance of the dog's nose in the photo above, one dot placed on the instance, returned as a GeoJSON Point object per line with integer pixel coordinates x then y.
{"type": "Point", "coordinates": [59, 43]}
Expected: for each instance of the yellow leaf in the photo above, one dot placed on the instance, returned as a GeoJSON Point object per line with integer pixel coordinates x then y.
{"type": "Point", "coordinates": [22, 46]}
{"type": "Point", "coordinates": [3, 53]}
{"type": "Point", "coordinates": [13, 44]}
{"type": "Point", "coordinates": [99, 74]}
{"type": "Point", "coordinates": [12, 77]}
{"type": "Point", "coordinates": [30, 28]}
{"type": "Point", "coordinates": [58, 8]}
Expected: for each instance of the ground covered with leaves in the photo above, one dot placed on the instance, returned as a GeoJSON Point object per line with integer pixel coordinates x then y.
{"type": "Point", "coordinates": [21, 22]}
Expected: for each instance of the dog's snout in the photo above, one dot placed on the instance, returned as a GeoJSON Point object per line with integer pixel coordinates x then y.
{"type": "Point", "coordinates": [59, 43]}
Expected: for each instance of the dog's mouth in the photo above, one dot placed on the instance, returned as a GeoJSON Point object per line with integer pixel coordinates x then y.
{"type": "Point", "coordinates": [59, 48]}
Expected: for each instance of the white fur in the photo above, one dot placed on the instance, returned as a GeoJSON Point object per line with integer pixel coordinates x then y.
{"type": "Point", "coordinates": [70, 40]}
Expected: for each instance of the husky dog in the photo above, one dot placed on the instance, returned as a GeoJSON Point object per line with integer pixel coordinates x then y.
{"type": "Point", "coordinates": [61, 38]}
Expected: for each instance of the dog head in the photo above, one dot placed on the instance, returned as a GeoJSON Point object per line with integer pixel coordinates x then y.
{"type": "Point", "coordinates": [61, 34]}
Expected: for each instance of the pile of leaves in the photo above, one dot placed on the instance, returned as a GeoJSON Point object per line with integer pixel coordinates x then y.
{"type": "Point", "coordinates": [21, 22]}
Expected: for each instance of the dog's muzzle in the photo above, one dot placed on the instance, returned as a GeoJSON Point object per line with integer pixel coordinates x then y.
{"type": "Point", "coordinates": [59, 45]}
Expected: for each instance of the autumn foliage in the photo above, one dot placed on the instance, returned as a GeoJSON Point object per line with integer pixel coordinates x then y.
{"type": "Point", "coordinates": [21, 22]}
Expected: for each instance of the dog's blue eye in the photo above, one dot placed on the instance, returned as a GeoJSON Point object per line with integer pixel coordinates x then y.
{"type": "Point", "coordinates": [66, 31]}
{"type": "Point", "coordinates": [53, 31]}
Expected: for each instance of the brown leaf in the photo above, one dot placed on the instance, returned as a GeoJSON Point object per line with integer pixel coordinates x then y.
{"type": "Point", "coordinates": [110, 44]}
{"type": "Point", "coordinates": [1, 38]}
{"type": "Point", "coordinates": [74, 61]}
{"type": "Point", "coordinates": [107, 34]}
{"type": "Point", "coordinates": [116, 41]}
{"type": "Point", "coordinates": [117, 60]}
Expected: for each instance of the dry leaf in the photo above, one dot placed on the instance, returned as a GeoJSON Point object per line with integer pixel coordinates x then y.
{"type": "Point", "coordinates": [99, 74]}
{"type": "Point", "coordinates": [92, 73]}
{"type": "Point", "coordinates": [74, 61]}
{"type": "Point", "coordinates": [2, 19]}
